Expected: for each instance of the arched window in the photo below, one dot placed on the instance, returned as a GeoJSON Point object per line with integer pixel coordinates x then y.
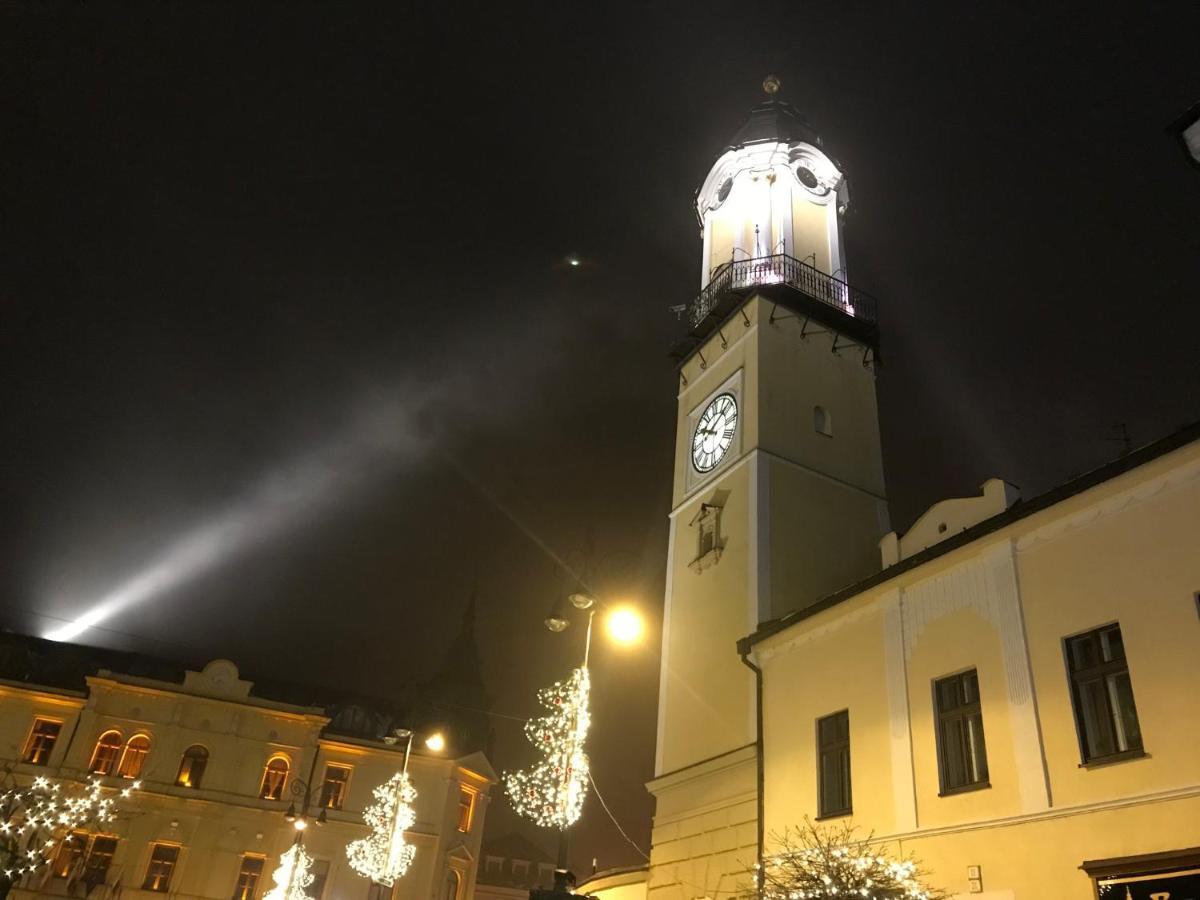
{"type": "Point", "coordinates": [274, 778]}
{"type": "Point", "coordinates": [106, 754]}
{"type": "Point", "coordinates": [191, 767]}
{"type": "Point", "coordinates": [822, 421]}
{"type": "Point", "coordinates": [134, 757]}
{"type": "Point", "coordinates": [453, 883]}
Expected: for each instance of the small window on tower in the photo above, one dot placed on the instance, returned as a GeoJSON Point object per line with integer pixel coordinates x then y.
{"type": "Point", "coordinates": [708, 536]}
{"type": "Point", "coordinates": [822, 421]}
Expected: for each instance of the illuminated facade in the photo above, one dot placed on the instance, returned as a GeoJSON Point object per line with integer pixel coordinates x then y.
{"type": "Point", "coordinates": [219, 764]}
{"type": "Point", "coordinates": [1004, 676]}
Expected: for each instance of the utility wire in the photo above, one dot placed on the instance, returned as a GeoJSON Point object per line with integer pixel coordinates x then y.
{"type": "Point", "coordinates": [628, 839]}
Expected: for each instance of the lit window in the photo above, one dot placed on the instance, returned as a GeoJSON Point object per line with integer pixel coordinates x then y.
{"type": "Point", "coordinates": [333, 788]}
{"type": "Point", "coordinates": [163, 858]}
{"type": "Point", "coordinates": [962, 753]}
{"type": "Point", "coordinates": [134, 757]}
{"type": "Point", "coordinates": [192, 766]}
{"type": "Point", "coordinates": [248, 877]}
{"type": "Point", "coordinates": [99, 858]}
{"type": "Point", "coordinates": [320, 873]}
{"type": "Point", "coordinates": [106, 754]}
{"type": "Point", "coordinates": [466, 808]}
{"type": "Point", "coordinates": [1103, 695]}
{"type": "Point", "coordinates": [833, 752]}
{"type": "Point", "coordinates": [274, 778]}
{"type": "Point", "coordinates": [72, 848]}
{"type": "Point", "coordinates": [42, 739]}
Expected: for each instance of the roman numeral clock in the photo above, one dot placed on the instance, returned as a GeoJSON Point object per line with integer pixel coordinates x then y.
{"type": "Point", "coordinates": [714, 432]}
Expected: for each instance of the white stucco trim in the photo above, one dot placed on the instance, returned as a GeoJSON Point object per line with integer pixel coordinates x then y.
{"type": "Point", "coordinates": [904, 782]}
{"type": "Point", "coordinates": [1175, 478]}
{"type": "Point", "coordinates": [665, 658]}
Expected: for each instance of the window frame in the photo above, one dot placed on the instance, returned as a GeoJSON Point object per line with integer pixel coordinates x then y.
{"type": "Point", "coordinates": [115, 761]}
{"type": "Point", "coordinates": [320, 882]}
{"type": "Point", "coordinates": [140, 760]}
{"type": "Point", "coordinates": [469, 809]}
{"type": "Point", "coordinates": [287, 773]}
{"type": "Point", "coordinates": [33, 737]}
{"type": "Point", "coordinates": [174, 866]}
{"type": "Point", "coordinates": [835, 746]}
{"type": "Point", "coordinates": [192, 784]}
{"type": "Point", "coordinates": [1100, 671]}
{"type": "Point", "coordinates": [344, 783]}
{"type": "Point", "coordinates": [238, 890]}
{"type": "Point", "coordinates": [959, 713]}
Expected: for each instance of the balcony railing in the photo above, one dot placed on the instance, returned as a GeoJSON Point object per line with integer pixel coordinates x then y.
{"type": "Point", "coordinates": [781, 269]}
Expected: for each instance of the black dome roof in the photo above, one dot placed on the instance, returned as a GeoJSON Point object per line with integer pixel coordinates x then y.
{"type": "Point", "coordinates": [775, 120]}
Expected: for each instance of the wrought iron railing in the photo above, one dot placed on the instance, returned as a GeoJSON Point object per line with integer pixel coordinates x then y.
{"type": "Point", "coordinates": [781, 269]}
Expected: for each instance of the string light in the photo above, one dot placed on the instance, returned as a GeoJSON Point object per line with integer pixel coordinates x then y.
{"type": "Point", "coordinates": [551, 793]}
{"type": "Point", "coordinates": [38, 814]}
{"type": "Point", "coordinates": [384, 856]}
{"type": "Point", "coordinates": [817, 862]}
{"type": "Point", "coordinates": [293, 876]}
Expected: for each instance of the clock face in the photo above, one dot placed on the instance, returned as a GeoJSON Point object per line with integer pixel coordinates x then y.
{"type": "Point", "coordinates": [714, 432]}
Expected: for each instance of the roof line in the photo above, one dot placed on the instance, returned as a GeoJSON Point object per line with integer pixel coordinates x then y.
{"type": "Point", "coordinates": [1019, 510]}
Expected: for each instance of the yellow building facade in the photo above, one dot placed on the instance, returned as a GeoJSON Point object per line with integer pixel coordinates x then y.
{"type": "Point", "coordinates": [1009, 690]}
{"type": "Point", "coordinates": [219, 766]}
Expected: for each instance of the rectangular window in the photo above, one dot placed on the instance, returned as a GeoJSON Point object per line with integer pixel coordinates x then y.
{"type": "Point", "coordinates": [378, 891]}
{"type": "Point", "coordinates": [163, 858]}
{"type": "Point", "coordinates": [41, 741]}
{"type": "Point", "coordinates": [833, 754]}
{"type": "Point", "coordinates": [249, 876]}
{"type": "Point", "coordinates": [962, 754]}
{"type": "Point", "coordinates": [1103, 695]}
{"type": "Point", "coordinates": [72, 848]}
{"type": "Point", "coordinates": [333, 788]}
{"type": "Point", "coordinates": [99, 858]}
{"type": "Point", "coordinates": [320, 873]}
{"type": "Point", "coordinates": [466, 808]}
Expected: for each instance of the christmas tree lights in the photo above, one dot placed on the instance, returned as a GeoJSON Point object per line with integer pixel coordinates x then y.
{"type": "Point", "coordinates": [551, 792]}
{"type": "Point", "coordinates": [293, 875]}
{"type": "Point", "coordinates": [832, 863]}
{"type": "Point", "coordinates": [384, 856]}
{"type": "Point", "coordinates": [34, 818]}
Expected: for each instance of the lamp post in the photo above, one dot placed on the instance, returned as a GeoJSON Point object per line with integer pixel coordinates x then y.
{"type": "Point", "coordinates": [383, 855]}
{"type": "Point", "coordinates": [624, 626]}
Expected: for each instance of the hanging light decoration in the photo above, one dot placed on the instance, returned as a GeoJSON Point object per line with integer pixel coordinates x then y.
{"type": "Point", "coordinates": [34, 816]}
{"type": "Point", "coordinates": [384, 856]}
{"type": "Point", "coordinates": [551, 792]}
{"type": "Point", "coordinates": [293, 875]}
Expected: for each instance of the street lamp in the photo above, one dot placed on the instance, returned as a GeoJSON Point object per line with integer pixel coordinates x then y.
{"type": "Point", "coordinates": [384, 855]}
{"type": "Point", "coordinates": [624, 627]}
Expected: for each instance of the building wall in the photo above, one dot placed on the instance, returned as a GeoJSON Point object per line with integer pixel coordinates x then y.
{"type": "Point", "coordinates": [224, 818]}
{"type": "Point", "coordinates": [1123, 551]}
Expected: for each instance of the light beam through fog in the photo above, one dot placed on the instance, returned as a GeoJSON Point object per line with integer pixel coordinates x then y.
{"type": "Point", "coordinates": [381, 436]}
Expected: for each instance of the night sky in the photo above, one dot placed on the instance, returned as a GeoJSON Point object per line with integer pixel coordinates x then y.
{"type": "Point", "coordinates": [285, 296]}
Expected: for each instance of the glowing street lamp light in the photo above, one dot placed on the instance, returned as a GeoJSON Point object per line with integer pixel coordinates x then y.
{"type": "Point", "coordinates": [624, 625]}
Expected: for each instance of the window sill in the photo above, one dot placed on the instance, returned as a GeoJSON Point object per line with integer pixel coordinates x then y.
{"type": "Point", "coordinates": [846, 813]}
{"type": "Point", "coordinates": [966, 789]}
{"type": "Point", "coordinates": [1101, 761]}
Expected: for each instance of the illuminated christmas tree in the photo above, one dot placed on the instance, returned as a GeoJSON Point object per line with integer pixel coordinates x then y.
{"type": "Point", "coordinates": [36, 820]}
{"type": "Point", "coordinates": [293, 876]}
{"type": "Point", "coordinates": [384, 855]}
{"type": "Point", "coordinates": [551, 792]}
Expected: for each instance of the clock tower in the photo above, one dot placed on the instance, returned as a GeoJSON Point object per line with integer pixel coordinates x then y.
{"type": "Point", "coordinates": [778, 496]}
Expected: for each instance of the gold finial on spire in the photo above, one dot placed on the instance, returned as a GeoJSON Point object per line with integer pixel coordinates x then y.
{"type": "Point", "coordinates": [771, 85]}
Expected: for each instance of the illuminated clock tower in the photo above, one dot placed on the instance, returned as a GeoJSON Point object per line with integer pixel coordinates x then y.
{"type": "Point", "coordinates": [778, 494]}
